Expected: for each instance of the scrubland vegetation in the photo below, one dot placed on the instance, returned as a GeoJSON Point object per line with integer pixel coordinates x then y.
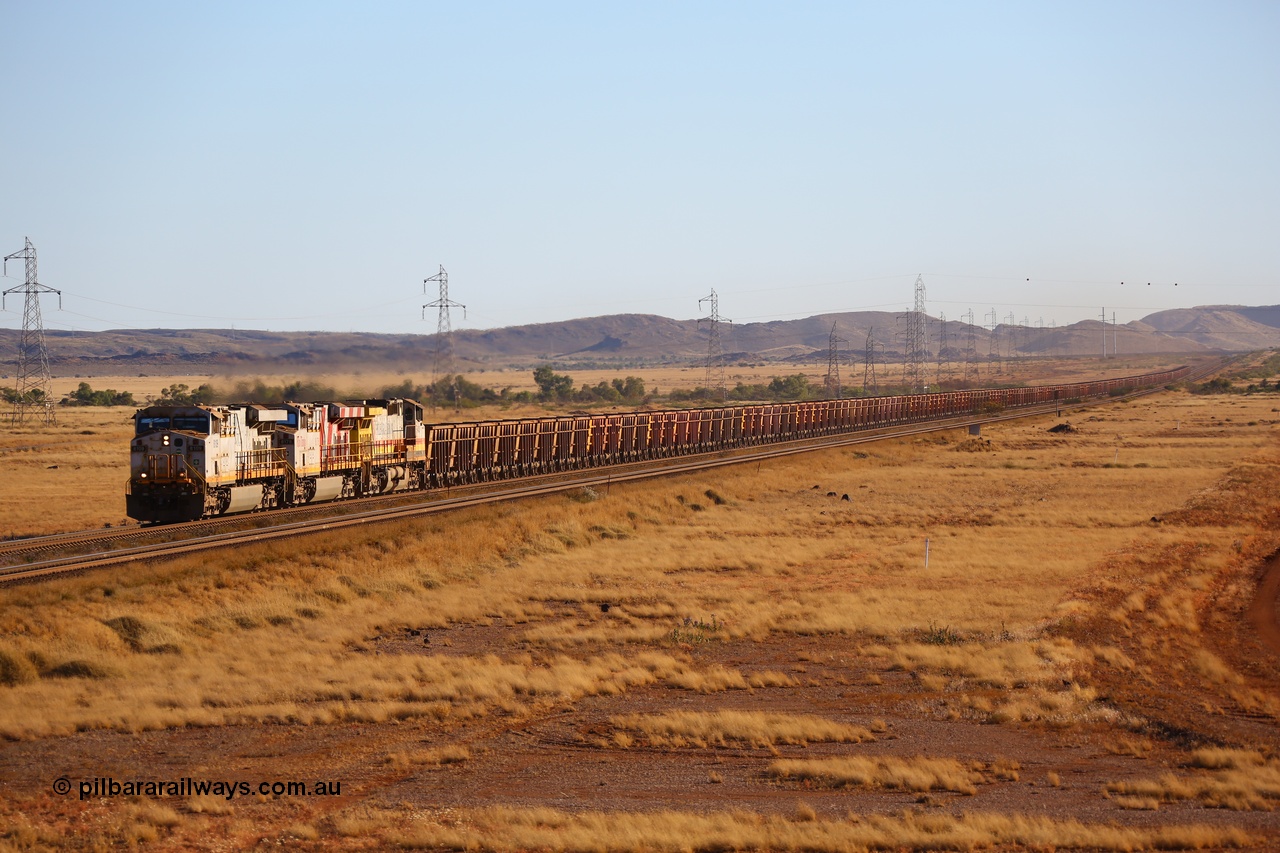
{"type": "Point", "coordinates": [781, 656]}
{"type": "Point", "coordinates": [67, 477]}
{"type": "Point", "coordinates": [512, 830]}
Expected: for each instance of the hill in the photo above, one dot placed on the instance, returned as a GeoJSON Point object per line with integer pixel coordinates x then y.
{"type": "Point", "coordinates": [633, 339]}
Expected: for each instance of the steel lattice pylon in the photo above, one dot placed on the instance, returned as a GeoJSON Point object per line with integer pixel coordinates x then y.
{"type": "Point", "coordinates": [833, 363]}
{"type": "Point", "coordinates": [993, 346]}
{"type": "Point", "coordinates": [944, 354]}
{"type": "Point", "coordinates": [32, 390]}
{"type": "Point", "coordinates": [442, 364]}
{"type": "Point", "coordinates": [869, 364]}
{"type": "Point", "coordinates": [715, 350]}
{"type": "Point", "coordinates": [970, 349]}
{"type": "Point", "coordinates": [917, 343]}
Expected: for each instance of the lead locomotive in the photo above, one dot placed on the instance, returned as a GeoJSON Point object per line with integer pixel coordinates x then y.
{"type": "Point", "coordinates": [188, 462]}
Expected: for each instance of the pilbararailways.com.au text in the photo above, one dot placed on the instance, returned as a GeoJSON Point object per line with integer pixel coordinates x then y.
{"type": "Point", "coordinates": [188, 787]}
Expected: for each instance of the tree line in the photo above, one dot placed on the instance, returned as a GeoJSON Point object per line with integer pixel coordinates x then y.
{"type": "Point", "coordinates": [456, 391]}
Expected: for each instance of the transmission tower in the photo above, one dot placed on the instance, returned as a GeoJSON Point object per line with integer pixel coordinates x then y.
{"type": "Point", "coordinates": [442, 364]}
{"type": "Point", "coordinates": [32, 390]}
{"type": "Point", "coordinates": [917, 343]}
{"type": "Point", "coordinates": [833, 363]}
{"type": "Point", "coordinates": [944, 356]}
{"type": "Point", "coordinates": [994, 364]}
{"type": "Point", "coordinates": [869, 360]}
{"type": "Point", "coordinates": [970, 349]}
{"type": "Point", "coordinates": [715, 351]}
{"type": "Point", "coordinates": [1011, 325]}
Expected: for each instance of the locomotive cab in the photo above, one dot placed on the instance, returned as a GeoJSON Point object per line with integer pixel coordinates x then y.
{"type": "Point", "coordinates": [167, 481]}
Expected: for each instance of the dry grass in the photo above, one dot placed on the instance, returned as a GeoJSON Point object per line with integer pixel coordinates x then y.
{"type": "Point", "coordinates": [1030, 542]}
{"type": "Point", "coordinates": [1138, 747]}
{"type": "Point", "coordinates": [209, 804]}
{"type": "Point", "coordinates": [720, 728]}
{"type": "Point", "coordinates": [77, 470]}
{"type": "Point", "coordinates": [1219, 758]}
{"type": "Point", "coordinates": [547, 829]}
{"type": "Point", "coordinates": [918, 774]}
{"type": "Point", "coordinates": [1242, 784]}
{"type": "Point", "coordinates": [1000, 665]}
{"type": "Point", "coordinates": [435, 757]}
{"type": "Point", "coordinates": [777, 558]}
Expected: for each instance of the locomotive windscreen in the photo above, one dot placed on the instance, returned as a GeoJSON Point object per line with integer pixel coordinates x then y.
{"type": "Point", "coordinates": [192, 422]}
{"type": "Point", "coordinates": [155, 422]}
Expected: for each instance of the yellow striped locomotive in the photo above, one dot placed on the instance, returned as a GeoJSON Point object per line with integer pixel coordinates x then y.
{"type": "Point", "coordinates": [191, 462]}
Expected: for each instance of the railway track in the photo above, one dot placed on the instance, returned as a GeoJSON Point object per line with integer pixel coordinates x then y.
{"type": "Point", "coordinates": [30, 559]}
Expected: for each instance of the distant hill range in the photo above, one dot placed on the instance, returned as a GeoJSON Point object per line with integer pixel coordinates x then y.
{"type": "Point", "coordinates": [634, 339]}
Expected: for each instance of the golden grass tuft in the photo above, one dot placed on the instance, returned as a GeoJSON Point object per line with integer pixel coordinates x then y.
{"type": "Point", "coordinates": [16, 669]}
{"type": "Point", "coordinates": [1138, 747]}
{"type": "Point", "coordinates": [1241, 785]}
{"type": "Point", "coordinates": [756, 728]}
{"type": "Point", "coordinates": [1147, 804]}
{"type": "Point", "coordinates": [805, 813]}
{"type": "Point", "coordinates": [209, 804]}
{"type": "Point", "coordinates": [1055, 708]}
{"type": "Point", "coordinates": [918, 774]}
{"type": "Point", "coordinates": [1220, 758]}
{"type": "Point", "coordinates": [1001, 665]}
{"type": "Point", "coordinates": [435, 756]}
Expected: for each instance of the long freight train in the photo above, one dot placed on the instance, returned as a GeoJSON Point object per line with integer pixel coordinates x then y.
{"type": "Point", "coordinates": [191, 462]}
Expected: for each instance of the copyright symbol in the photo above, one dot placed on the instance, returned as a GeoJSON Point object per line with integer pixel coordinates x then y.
{"type": "Point", "coordinates": [62, 785]}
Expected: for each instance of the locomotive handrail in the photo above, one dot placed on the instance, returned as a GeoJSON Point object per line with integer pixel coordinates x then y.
{"type": "Point", "coordinates": [195, 473]}
{"type": "Point", "coordinates": [256, 464]}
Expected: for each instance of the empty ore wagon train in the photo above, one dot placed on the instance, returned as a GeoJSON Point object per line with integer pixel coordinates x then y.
{"type": "Point", "coordinates": [191, 462]}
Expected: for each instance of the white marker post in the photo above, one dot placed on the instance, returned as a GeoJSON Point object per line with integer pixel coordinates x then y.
{"type": "Point", "coordinates": [926, 552]}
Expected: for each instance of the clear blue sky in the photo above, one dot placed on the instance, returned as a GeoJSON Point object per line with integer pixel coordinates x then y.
{"type": "Point", "coordinates": [306, 165]}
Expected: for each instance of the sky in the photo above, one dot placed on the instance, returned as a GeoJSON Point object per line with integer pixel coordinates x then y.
{"type": "Point", "coordinates": [306, 165]}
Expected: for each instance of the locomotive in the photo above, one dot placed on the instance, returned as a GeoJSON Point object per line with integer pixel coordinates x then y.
{"type": "Point", "coordinates": [191, 462]}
